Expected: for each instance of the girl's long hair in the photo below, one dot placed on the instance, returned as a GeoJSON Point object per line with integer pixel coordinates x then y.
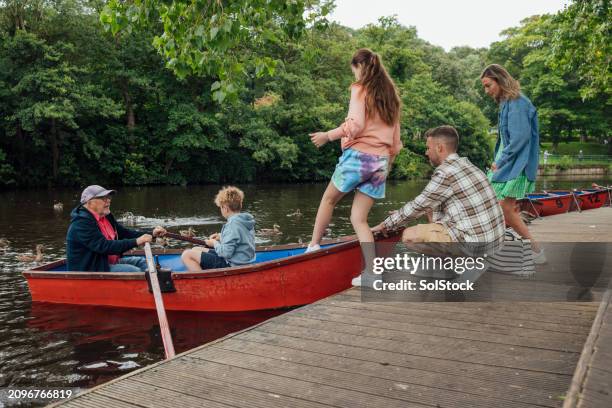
{"type": "Point", "coordinates": [510, 87]}
{"type": "Point", "coordinates": [381, 94]}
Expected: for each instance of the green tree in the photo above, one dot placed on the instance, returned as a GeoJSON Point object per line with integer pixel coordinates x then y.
{"type": "Point", "coordinates": [581, 44]}
{"type": "Point", "coordinates": [403, 52]}
{"type": "Point", "coordinates": [217, 39]}
{"type": "Point", "coordinates": [52, 98]}
{"type": "Point", "coordinates": [92, 105]}
{"type": "Point", "coordinates": [427, 105]}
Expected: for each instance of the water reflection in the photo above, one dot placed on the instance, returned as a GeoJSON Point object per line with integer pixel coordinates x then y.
{"type": "Point", "coordinates": [81, 346]}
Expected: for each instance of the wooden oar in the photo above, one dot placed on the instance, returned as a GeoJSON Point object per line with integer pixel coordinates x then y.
{"type": "Point", "coordinates": [159, 304]}
{"type": "Point", "coordinates": [187, 239]}
{"type": "Point", "coordinates": [574, 193]}
{"type": "Point", "coordinates": [536, 213]}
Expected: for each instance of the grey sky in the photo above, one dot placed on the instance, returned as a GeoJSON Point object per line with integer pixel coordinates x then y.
{"type": "Point", "coordinates": [447, 23]}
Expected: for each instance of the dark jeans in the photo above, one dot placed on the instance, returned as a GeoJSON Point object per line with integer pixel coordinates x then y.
{"type": "Point", "coordinates": [210, 260]}
{"type": "Point", "coordinates": [130, 264]}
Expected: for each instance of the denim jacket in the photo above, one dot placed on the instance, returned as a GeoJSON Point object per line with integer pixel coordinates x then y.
{"type": "Point", "coordinates": [518, 130]}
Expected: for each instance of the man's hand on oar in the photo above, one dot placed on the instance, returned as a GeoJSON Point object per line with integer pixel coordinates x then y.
{"type": "Point", "coordinates": [143, 239]}
{"type": "Point", "coordinates": [159, 231]}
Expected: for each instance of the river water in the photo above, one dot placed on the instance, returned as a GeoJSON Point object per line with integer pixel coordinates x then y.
{"type": "Point", "coordinates": [46, 345]}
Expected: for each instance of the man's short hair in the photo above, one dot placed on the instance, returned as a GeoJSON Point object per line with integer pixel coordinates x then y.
{"type": "Point", "coordinates": [446, 134]}
{"type": "Point", "coordinates": [231, 197]}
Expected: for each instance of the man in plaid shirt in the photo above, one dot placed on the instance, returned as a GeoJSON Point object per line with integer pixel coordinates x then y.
{"type": "Point", "coordinates": [459, 201]}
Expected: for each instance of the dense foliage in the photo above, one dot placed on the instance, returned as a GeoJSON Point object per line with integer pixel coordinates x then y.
{"type": "Point", "coordinates": [582, 45]}
{"type": "Point", "coordinates": [118, 93]}
{"type": "Point", "coordinates": [214, 38]}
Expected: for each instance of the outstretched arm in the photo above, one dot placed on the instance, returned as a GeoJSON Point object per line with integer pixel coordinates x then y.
{"type": "Point", "coordinates": [92, 238]}
{"type": "Point", "coordinates": [438, 190]}
{"type": "Point", "coordinates": [355, 119]}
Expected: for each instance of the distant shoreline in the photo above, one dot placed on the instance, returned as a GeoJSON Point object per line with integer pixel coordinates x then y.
{"type": "Point", "coordinates": [551, 170]}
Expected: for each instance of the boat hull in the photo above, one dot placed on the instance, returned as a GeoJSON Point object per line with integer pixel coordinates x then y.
{"type": "Point", "coordinates": [280, 283]}
{"type": "Point", "coordinates": [543, 205]}
{"type": "Point", "coordinates": [561, 201]}
{"type": "Point", "coordinates": [590, 199]}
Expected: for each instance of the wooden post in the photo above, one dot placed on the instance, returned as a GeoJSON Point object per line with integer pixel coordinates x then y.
{"type": "Point", "coordinates": [159, 304]}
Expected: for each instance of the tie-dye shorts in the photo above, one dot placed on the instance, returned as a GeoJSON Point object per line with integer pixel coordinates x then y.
{"type": "Point", "coordinates": [362, 171]}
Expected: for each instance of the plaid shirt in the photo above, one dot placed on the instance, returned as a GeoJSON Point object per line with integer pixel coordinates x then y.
{"type": "Point", "coordinates": [462, 200]}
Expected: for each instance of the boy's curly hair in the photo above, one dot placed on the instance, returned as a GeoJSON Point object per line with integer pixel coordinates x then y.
{"type": "Point", "coordinates": [231, 197]}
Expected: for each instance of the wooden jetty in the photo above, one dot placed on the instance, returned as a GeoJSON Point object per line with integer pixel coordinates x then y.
{"type": "Point", "coordinates": [342, 352]}
{"type": "Point", "coordinates": [586, 226]}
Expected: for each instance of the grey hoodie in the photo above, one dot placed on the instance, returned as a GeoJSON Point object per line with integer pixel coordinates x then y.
{"type": "Point", "coordinates": [237, 243]}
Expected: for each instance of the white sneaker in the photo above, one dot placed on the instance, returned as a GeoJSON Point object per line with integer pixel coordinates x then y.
{"type": "Point", "coordinates": [315, 247]}
{"type": "Point", "coordinates": [539, 258]}
{"type": "Point", "coordinates": [368, 282]}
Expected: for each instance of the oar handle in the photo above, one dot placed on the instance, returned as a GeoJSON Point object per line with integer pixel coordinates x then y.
{"type": "Point", "coordinates": [187, 239]}
{"type": "Point", "coordinates": [159, 304]}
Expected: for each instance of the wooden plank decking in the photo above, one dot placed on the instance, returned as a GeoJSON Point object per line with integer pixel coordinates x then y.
{"type": "Point", "coordinates": [342, 352]}
{"type": "Point", "coordinates": [592, 382]}
{"type": "Point", "coordinates": [585, 226]}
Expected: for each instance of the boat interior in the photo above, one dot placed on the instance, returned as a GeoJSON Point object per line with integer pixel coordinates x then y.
{"type": "Point", "coordinates": [173, 261]}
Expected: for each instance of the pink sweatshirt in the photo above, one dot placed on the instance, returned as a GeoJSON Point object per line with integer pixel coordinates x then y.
{"type": "Point", "coordinates": [371, 135]}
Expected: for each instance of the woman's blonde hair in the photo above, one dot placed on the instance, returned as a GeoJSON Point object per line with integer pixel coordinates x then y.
{"type": "Point", "coordinates": [381, 94]}
{"type": "Point", "coordinates": [231, 197]}
{"type": "Point", "coordinates": [510, 87]}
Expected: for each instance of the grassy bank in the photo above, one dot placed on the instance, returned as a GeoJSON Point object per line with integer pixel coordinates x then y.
{"type": "Point", "coordinates": [573, 148]}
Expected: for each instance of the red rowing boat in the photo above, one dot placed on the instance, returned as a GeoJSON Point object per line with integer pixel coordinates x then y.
{"type": "Point", "coordinates": [545, 204]}
{"type": "Point", "coordinates": [592, 198]}
{"type": "Point", "coordinates": [553, 202]}
{"type": "Point", "coordinates": [282, 276]}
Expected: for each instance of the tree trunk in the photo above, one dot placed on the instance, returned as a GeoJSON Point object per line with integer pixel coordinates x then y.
{"type": "Point", "coordinates": [555, 137]}
{"type": "Point", "coordinates": [129, 107]}
{"type": "Point", "coordinates": [20, 149]}
{"type": "Point", "coordinates": [54, 149]}
{"type": "Point", "coordinates": [16, 12]}
{"type": "Point", "coordinates": [168, 166]}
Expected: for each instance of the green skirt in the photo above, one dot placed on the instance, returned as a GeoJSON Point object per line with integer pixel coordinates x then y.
{"type": "Point", "coordinates": [515, 188]}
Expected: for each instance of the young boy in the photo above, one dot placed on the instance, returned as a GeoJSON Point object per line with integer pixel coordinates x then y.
{"type": "Point", "coordinates": [235, 245]}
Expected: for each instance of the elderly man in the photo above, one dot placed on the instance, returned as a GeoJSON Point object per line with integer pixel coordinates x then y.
{"type": "Point", "coordinates": [459, 200]}
{"type": "Point", "coordinates": [95, 241]}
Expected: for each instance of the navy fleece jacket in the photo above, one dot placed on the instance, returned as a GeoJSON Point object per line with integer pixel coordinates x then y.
{"type": "Point", "coordinates": [87, 249]}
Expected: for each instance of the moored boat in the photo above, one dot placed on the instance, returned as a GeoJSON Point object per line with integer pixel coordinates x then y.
{"type": "Point", "coordinates": [542, 204]}
{"type": "Point", "coordinates": [282, 276]}
{"type": "Point", "coordinates": [574, 203]}
{"type": "Point", "coordinates": [547, 203]}
{"type": "Point", "coordinates": [591, 198]}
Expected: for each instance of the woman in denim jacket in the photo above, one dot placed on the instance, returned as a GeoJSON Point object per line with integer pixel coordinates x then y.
{"type": "Point", "coordinates": [517, 150]}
